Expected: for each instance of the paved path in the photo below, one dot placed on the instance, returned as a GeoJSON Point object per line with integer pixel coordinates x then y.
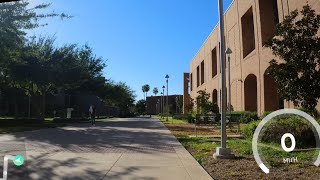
{"type": "Point", "coordinates": [133, 149]}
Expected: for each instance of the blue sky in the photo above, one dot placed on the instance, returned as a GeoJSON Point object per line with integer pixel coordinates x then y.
{"type": "Point", "coordinates": [142, 40]}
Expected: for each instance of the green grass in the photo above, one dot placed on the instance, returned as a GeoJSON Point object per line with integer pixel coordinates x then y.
{"type": "Point", "coordinates": [175, 121]}
{"type": "Point", "coordinates": [202, 148]}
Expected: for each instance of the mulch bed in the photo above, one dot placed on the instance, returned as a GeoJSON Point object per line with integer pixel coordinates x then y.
{"type": "Point", "coordinates": [246, 168]}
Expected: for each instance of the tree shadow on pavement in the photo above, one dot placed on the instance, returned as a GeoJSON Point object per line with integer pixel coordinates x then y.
{"type": "Point", "coordinates": [147, 136]}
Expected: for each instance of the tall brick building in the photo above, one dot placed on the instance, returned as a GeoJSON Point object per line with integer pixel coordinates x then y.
{"type": "Point", "coordinates": [248, 25]}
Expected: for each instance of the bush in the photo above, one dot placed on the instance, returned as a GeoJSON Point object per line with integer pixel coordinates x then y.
{"type": "Point", "coordinates": [266, 113]}
{"type": "Point", "coordinates": [247, 117]}
{"type": "Point", "coordinates": [299, 128]}
{"type": "Point", "coordinates": [273, 131]}
{"type": "Point", "coordinates": [248, 131]}
{"type": "Point", "coordinates": [187, 117]}
{"type": "Point", "coordinates": [313, 113]}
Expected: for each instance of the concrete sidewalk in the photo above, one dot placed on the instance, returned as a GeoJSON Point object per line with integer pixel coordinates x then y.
{"type": "Point", "coordinates": [134, 149]}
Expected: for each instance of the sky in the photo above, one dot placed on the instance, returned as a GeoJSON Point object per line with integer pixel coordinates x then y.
{"type": "Point", "coordinates": [141, 40]}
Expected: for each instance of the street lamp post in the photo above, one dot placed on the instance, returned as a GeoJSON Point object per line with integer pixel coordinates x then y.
{"type": "Point", "coordinates": [222, 152]}
{"type": "Point", "coordinates": [161, 103]}
{"type": "Point", "coordinates": [167, 108]}
{"type": "Point", "coordinates": [228, 53]}
{"type": "Point", "coordinates": [163, 87]}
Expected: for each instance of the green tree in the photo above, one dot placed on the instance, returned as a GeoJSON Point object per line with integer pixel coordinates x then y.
{"type": "Point", "coordinates": [155, 91]}
{"type": "Point", "coordinates": [147, 89]}
{"type": "Point", "coordinates": [297, 45]}
{"type": "Point", "coordinates": [204, 106]}
{"type": "Point", "coordinates": [44, 69]}
{"type": "Point", "coordinates": [16, 18]}
{"type": "Point", "coordinates": [140, 107]}
{"type": "Point", "coordinates": [122, 96]}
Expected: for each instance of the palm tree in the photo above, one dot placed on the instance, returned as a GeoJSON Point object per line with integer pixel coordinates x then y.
{"type": "Point", "coordinates": [155, 91]}
{"type": "Point", "coordinates": [147, 88]}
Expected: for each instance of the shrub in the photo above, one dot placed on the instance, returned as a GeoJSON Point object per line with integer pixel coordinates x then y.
{"type": "Point", "coordinates": [247, 117]}
{"type": "Point", "coordinates": [187, 117]}
{"type": "Point", "coordinates": [248, 131]}
{"type": "Point", "coordinates": [313, 113]}
{"type": "Point", "coordinates": [266, 113]}
{"type": "Point", "coordinates": [299, 128]}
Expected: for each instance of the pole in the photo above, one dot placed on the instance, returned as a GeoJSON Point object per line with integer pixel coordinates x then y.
{"type": "Point", "coordinates": [167, 109]}
{"type": "Point", "coordinates": [223, 77]}
{"type": "Point", "coordinates": [223, 152]}
{"type": "Point", "coordinates": [229, 93]}
{"type": "Point", "coordinates": [163, 102]}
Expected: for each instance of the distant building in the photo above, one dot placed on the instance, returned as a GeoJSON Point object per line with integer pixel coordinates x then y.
{"type": "Point", "coordinates": [248, 25]}
{"type": "Point", "coordinates": [174, 102]}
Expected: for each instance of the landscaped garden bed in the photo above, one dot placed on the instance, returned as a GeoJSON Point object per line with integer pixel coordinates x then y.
{"type": "Point", "coordinates": [243, 166]}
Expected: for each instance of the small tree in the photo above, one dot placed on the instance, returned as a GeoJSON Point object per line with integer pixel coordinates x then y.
{"type": "Point", "coordinates": [297, 45]}
{"type": "Point", "coordinates": [202, 101]}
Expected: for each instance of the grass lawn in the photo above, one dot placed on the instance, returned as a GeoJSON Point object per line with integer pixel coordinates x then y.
{"type": "Point", "coordinates": [244, 165]}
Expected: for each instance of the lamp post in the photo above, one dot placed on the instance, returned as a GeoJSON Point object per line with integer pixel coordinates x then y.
{"type": "Point", "coordinates": [167, 108]}
{"type": "Point", "coordinates": [161, 104]}
{"type": "Point", "coordinates": [163, 87]}
{"type": "Point", "coordinates": [228, 53]}
{"type": "Point", "coordinates": [222, 152]}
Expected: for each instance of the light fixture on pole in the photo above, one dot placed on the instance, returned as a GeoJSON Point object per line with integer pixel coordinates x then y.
{"type": "Point", "coordinates": [228, 53]}
{"type": "Point", "coordinates": [222, 152]}
{"type": "Point", "coordinates": [167, 106]}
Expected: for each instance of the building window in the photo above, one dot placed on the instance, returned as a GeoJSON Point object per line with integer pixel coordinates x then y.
{"type": "Point", "coordinates": [248, 40]}
{"type": "Point", "coordinates": [269, 18]}
{"type": "Point", "coordinates": [198, 76]}
{"type": "Point", "coordinates": [214, 62]}
{"type": "Point", "coordinates": [202, 72]}
{"type": "Point", "coordinates": [191, 82]}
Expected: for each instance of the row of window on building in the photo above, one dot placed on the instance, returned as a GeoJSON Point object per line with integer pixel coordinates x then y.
{"type": "Point", "coordinates": [269, 17]}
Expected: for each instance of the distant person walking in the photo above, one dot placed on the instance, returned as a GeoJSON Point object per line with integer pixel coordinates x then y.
{"type": "Point", "coordinates": [92, 112]}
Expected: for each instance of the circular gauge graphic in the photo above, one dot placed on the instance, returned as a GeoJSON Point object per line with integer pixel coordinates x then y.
{"type": "Point", "coordinates": [277, 126]}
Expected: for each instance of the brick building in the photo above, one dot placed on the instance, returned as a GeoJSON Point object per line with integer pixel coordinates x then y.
{"type": "Point", "coordinates": [154, 104]}
{"type": "Point", "coordinates": [248, 25]}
